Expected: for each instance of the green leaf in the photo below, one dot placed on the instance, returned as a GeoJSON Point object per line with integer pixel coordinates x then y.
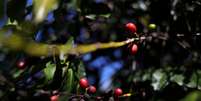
{"type": "Point", "coordinates": [70, 40]}
{"type": "Point", "coordinates": [49, 71]}
{"type": "Point", "coordinates": [42, 8]}
{"type": "Point", "coordinates": [15, 23]}
{"type": "Point", "coordinates": [193, 81]}
{"type": "Point", "coordinates": [81, 70]}
{"type": "Point", "coordinates": [105, 15]}
{"type": "Point", "coordinates": [65, 68]}
{"type": "Point", "coordinates": [159, 79]}
{"type": "Point", "coordinates": [193, 96]}
{"type": "Point", "coordinates": [178, 78]}
{"type": "Point", "coordinates": [70, 80]}
{"type": "Point", "coordinates": [17, 73]}
{"type": "Point", "coordinates": [91, 16]}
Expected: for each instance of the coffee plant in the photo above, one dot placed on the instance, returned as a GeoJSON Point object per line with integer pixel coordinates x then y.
{"type": "Point", "coordinates": [100, 50]}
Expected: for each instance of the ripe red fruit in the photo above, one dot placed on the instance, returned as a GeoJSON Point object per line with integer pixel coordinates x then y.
{"type": "Point", "coordinates": [83, 83]}
{"type": "Point", "coordinates": [54, 98]}
{"type": "Point", "coordinates": [134, 49]}
{"type": "Point", "coordinates": [118, 92]}
{"type": "Point", "coordinates": [131, 27]}
{"type": "Point", "coordinates": [21, 64]}
{"type": "Point", "coordinates": [91, 89]}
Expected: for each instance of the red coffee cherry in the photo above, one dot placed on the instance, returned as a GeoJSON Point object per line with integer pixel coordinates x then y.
{"type": "Point", "coordinates": [91, 89]}
{"type": "Point", "coordinates": [21, 64]}
{"type": "Point", "coordinates": [54, 98]}
{"type": "Point", "coordinates": [118, 92]}
{"type": "Point", "coordinates": [83, 83]}
{"type": "Point", "coordinates": [131, 27]}
{"type": "Point", "coordinates": [134, 49]}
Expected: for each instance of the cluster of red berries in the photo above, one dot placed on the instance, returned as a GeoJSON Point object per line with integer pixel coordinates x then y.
{"type": "Point", "coordinates": [131, 27]}
{"type": "Point", "coordinates": [84, 84]}
{"type": "Point", "coordinates": [91, 89]}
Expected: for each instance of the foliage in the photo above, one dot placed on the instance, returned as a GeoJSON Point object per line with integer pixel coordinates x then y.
{"type": "Point", "coordinates": [61, 41]}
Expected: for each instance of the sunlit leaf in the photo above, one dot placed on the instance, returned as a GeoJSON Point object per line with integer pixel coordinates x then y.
{"type": "Point", "coordinates": [42, 8]}
{"type": "Point", "coordinates": [12, 23]}
{"type": "Point", "coordinates": [91, 16]}
{"type": "Point", "coordinates": [49, 71]}
{"type": "Point", "coordinates": [159, 79]}
{"type": "Point", "coordinates": [105, 15]}
{"type": "Point", "coordinates": [178, 79]}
